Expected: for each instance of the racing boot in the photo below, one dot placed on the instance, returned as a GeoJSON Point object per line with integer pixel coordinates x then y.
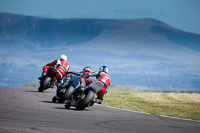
{"type": "Point", "coordinates": [40, 78]}
{"type": "Point", "coordinates": [99, 101]}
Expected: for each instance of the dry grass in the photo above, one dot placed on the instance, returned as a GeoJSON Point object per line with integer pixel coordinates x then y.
{"type": "Point", "coordinates": [180, 105]}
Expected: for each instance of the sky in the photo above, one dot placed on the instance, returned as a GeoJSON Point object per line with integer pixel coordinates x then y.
{"type": "Point", "coordinates": [181, 14]}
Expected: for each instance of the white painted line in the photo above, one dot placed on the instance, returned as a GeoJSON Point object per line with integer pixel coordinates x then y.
{"type": "Point", "coordinates": [147, 113]}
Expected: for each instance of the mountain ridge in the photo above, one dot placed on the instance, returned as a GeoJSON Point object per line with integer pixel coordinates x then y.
{"type": "Point", "coordinates": [42, 32]}
{"type": "Point", "coordinates": [145, 53]}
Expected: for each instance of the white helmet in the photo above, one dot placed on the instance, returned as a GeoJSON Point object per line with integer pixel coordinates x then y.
{"type": "Point", "coordinates": [64, 57]}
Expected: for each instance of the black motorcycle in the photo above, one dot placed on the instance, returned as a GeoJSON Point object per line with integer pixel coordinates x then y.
{"type": "Point", "coordinates": [83, 98]}
{"type": "Point", "coordinates": [66, 87]}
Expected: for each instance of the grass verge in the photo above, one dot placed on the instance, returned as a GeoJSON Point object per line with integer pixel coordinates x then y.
{"type": "Point", "coordinates": [181, 105]}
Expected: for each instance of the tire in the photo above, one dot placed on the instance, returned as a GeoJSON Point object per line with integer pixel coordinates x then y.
{"type": "Point", "coordinates": [68, 105]}
{"type": "Point", "coordinates": [68, 93]}
{"type": "Point", "coordinates": [86, 101]}
{"type": "Point", "coordinates": [54, 99]}
{"type": "Point", "coordinates": [40, 89]}
{"type": "Point", "coordinates": [44, 84]}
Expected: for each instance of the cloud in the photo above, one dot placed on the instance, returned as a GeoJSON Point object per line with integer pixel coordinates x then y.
{"type": "Point", "coordinates": [22, 62]}
{"type": "Point", "coordinates": [133, 11]}
{"type": "Point", "coordinates": [43, 15]}
{"type": "Point", "coordinates": [75, 67]}
{"type": "Point", "coordinates": [136, 11]}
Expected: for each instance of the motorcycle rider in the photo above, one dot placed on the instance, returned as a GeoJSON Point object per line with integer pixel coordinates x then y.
{"type": "Point", "coordinates": [60, 64]}
{"type": "Point", "coordinates": [87, 79]}
{"type": "Point", "coordinates": [84, 80]}
{"type": "Point", "coordinates": [102, 76]}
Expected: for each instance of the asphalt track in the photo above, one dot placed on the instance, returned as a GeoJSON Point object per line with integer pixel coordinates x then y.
{"type": "Point", "coordinates": [24, 110]}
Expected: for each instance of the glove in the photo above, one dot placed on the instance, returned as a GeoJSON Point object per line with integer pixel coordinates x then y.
{"type": "Point", "coordinates": [73, 72]}
{"type": "Point", "coordinates": [86, 75]}
{"type": "Point", "coordinates": [69, 73]}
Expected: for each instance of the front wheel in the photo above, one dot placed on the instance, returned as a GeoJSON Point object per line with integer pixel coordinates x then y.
{"type": "Point", "coordinates": [68, 104]}
{"type": "Point", "coordinates": [67, 94]}
{"type": "Point", "coordinates": [89, 96]}
{"type": "Point", "coordinates": [44, 84]}
{"type": "Point", "coordinates": [54, 99]}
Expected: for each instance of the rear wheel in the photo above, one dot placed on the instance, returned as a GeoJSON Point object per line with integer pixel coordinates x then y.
{"type": "Point", "coordinates": [44, 84]}
{"type": "Point", "coordinates": [89, 96]}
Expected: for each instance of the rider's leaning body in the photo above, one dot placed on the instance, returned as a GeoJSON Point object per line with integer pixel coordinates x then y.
{"type": "Point", "coordinates": [101, 76]}
{"type": "Point", "coordinates": [60, 64]}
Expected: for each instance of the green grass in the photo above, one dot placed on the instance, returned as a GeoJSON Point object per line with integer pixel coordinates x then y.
{"type": "Point", "coordinates": [181, 105]}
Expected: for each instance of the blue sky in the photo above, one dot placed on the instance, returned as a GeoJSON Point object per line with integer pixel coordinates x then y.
{"type": "Point", "coordinates": [182, 14]}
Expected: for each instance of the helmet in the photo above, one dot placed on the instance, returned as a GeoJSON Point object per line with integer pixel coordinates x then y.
{"type": "Point", "coordinates": [87, 69]}
{"type": "Point", "coordinates": [103, 69]}
{"type": "Point", "coordinates": [64, 57]}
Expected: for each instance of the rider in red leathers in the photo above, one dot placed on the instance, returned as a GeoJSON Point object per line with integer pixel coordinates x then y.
{"type": "Point", "coordinates": [85, 80]}
{"type": "Point", "coordinates": [61, 65]}
{"type": "Point", "coordinates": [102, 76]}
{"type": "Point", "coordinates": [88, 80]}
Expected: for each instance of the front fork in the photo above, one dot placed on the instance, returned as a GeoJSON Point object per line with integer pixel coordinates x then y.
{"type": "Point", "coordinates": [53, 83]}
{"type": "Point", "coordinates": [75, 99]}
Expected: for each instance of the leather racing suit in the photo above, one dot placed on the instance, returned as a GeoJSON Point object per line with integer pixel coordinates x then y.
{"type": "Point", "coordinates": [61, 65]}
{"type": "Point", "coordinates": [105, 79]}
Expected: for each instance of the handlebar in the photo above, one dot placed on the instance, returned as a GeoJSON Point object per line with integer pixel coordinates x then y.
{"type": "Point", "coordinates": [70, 72]}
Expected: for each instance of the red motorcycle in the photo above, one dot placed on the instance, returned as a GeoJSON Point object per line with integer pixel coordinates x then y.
{"type": "Point", "coordinates": [52, 78]}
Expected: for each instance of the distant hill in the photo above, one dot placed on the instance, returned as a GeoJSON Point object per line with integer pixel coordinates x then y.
{"type": "Point", "coordinates": [142, 53]}
{"type": "Point", "coordinates": [27, 30]}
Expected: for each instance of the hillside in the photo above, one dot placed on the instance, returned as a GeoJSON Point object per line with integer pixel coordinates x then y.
{"type": "Point", "coordinates": [27, 30]}
{"type": "Point", "coordinates": [142, 53]}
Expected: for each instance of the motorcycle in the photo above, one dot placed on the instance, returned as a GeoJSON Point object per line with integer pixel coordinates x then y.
{"type": "Point", "coordinates": [50, 79]}
{"type": "Point", "coordinates": [66, 88]}
{"type": "Point", "coordinates": [83, 98]}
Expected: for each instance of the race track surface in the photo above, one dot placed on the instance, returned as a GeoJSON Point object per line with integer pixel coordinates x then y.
{"type": "Point", "coordinates": [24, 110]}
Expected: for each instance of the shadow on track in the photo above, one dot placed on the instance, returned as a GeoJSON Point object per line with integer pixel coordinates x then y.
{"type": "Point", "coordinates": [31, 91]}
{"type": "Point", "coordinates": [72, 109]}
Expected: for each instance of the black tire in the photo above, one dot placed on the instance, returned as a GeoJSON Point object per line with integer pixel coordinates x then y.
{"type": "Point", "coordinates": [67, 105]}
{"type": "Point", "coordinates": [68, 93]}
{"type": "Point", "coordinates": [89, 96]}
{"type": "Point", "coordinates": [40, 89]}
{"type": "Point", "coordinates": [44, 84]}
{"type": "Point", "coordinates": [54, 99]}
